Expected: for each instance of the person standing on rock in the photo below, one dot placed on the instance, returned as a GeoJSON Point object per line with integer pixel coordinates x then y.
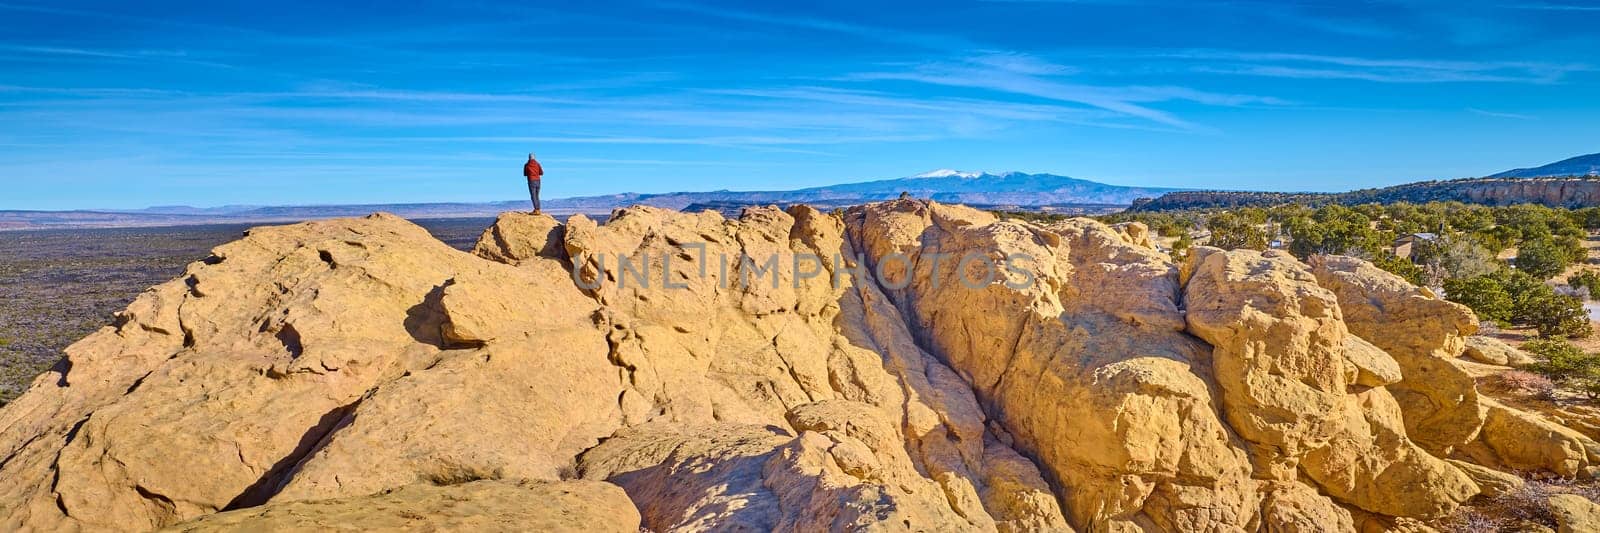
{"type": "Point", "coordinates": [533, 172]}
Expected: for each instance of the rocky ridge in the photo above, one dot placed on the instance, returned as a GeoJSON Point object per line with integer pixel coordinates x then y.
{"type": "Point", "coordinates": [622, 376]}
{"type": "Point", "coordinates": [1555, 191]}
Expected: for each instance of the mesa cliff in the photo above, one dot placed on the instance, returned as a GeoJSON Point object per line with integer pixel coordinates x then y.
{"type": "Point", "coordinates": [1569, 192]}
{"type": "Point", "coordinates": [610, 377]}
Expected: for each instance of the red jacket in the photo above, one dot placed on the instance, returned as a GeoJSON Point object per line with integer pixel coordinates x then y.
{"type": "Point", "coordinates": [532, 170]}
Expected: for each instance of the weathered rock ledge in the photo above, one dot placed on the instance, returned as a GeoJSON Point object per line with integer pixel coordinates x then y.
{"type": "Point", "coordinates": [1069, 377]}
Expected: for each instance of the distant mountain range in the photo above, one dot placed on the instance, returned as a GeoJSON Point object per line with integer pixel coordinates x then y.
{"type": "Point", "coordinates": [1583, 165]}
{"type": "Point", "coordinates": [1007, 190]}
{"type": "Point", "coordinates": [1573, 182]}
{"type": "Point", "coordinates": [1569, 183]}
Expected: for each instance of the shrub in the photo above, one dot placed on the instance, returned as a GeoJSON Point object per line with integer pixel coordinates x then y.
{"type": "Point", "coordinates": [1542, 258]}
{"type": "Point", "coordinates": [1485, 295]}
{"type": "Point", "coordinates": [1566, 365]}
{"type": "Point", "coordinates": [1401, 267]}
{"type": "Point", "coordinates": [1172, 228]}
{"type": "Point", "coordinates": [1514, 297]}
{"type": "Point", "coordinates": [1230, 231]}
{"type": "Point", "coordinates": [1559, 315]}
{"type": "Point", "coordinates": [1588, 280]}
{"type": "Point", "coordinates": [1588, 217]}
{"type": "Point", "coordinates": [1180, 248]}
{"type": "Point", "coordinates": [1454, 257]}
{"type": "Point", "coordinates": [1335, 229]}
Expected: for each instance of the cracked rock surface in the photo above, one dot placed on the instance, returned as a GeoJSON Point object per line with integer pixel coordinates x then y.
{"type": "Point", "coordinates": [899, 366]}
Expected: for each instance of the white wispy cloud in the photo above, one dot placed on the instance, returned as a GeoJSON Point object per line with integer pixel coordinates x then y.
{"type": "Point", "coordinates": [939, 41]}
{"type": "Point", "coordinates": [997, 69]}
{"type": "Point", "coordinates": [1541, 6]}
{"type": "Point", "coordinates": [958, 115]}
{"type": "Point", "coordinates": [1388, 70]}
{"type": "Point", "coordinates": [1078, 2]}
{"type": "Point", "coordinates": [1005, 77]}
{"type": "Point", "coordinates": [88, 92]}
{"type": "Point", "coordinates": [56, 52]}
{"type": "Point", "coordinates": [739, 140]}
{"type": "Point", "coordinates": [415, 96]}
{"type": "Point", "coordinates": [1025, 85]}
{"type": "Point", "coordinates": [1020, 63]}
{"type": "Point", "coordinates": [648, 162]}
{"type": "Point", "coordinates": [1498, 114]}
{"type": "Point", "coordinates": [1279, 12]}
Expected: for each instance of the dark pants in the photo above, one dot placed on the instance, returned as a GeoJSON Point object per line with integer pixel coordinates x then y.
{"type": "Point", "coordinates": [533, 191]}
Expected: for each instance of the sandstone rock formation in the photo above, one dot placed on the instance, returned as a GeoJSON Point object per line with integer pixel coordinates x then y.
{"type": "Point", "coordinates": [1493, 352]}
{"type": "Point", "coordinates": [1575, 514]}
{"type": "Point", "coordinates": [905, 366]}
{"type": "Point", "coordinates": [560, 507]}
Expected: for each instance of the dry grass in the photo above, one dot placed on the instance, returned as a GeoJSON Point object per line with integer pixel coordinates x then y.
{"type": "Point", "coordinates": [1528, 505]}
{"type": "Point", "coordinates": [1520, 384]}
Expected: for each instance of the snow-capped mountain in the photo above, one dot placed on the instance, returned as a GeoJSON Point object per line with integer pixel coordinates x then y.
{"type": "Point", "coordinates": [948, 173]}
{"type": "Point", "coordinates": [1010, 188]}
{"type": "Point", "coordinates": [950, 186]}
{"type": "Point", "coordinates": [945, 185]}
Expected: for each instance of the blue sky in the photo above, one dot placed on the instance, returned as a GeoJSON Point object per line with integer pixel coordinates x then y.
{"type": "Point", "coordinates": [121, 105]}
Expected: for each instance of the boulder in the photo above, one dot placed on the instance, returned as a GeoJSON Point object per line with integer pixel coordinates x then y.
{"type": "Point", "coordinates": [518, 237]}
{"type": "Point", "coordinates": [1492, 351]}
{"type": "Point", "coordinates": [1285, 368]}
{"type": "Point", "coordinates": [1527, 441]}
{"type": "Point", "coordinates": [1135, 233]}
{"type": "Point", "coordinates": [1278, 352]}
{"type": "Point", "coordinates": [1575, 514]}
{"type": "Point", "coordinates": [1093, 378]}
{"type": "Point", "coordinates": [1374, 367]}
{"type": "Point", "coordinates": [1296, 508]}
{"type": "Point", "coordinates": [1493, 482]}
{"type": "Point", "coordinates": [1423, 333]}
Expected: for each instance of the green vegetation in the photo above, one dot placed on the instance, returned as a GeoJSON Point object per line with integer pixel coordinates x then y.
{"type": "Point", "coordinates": [1587, 280]}
{"type": "Point", "coordinates": [1231, 230]}
{"type": "Point", "coordinates": [1448, 245]}
{"type": "Point", "coordinates": [1031, 216]}
{"type": "Point", "coordinates": [1335, 230]}
{"type": "Point", "coordinates": [1559, 315]}
{"type": "Point", "coordinates": [1567, 365]}
{"type": "Point", "coordinates": [1402, 267]}
{"type": "Point", "coordinates": [1181, 247]}
{"type": "Point", "coordinates": [1514, 297]}
{"type": "Point", "coordinates": [1422, 192]}
{"type": "Point", "coordinates": [1485, 294]}
{"type": "Point", "coordinates": [1541, 258]}
{"type": "Point", "coordinates": [1170, 225]}
{"type": "Point", "coordinates": [1452, 256]}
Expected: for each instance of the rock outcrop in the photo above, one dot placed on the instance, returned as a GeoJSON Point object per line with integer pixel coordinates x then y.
{"type": "Point", "coordinates": [1494, 352]}
{"type": "Point", "coordinates": [560, 507]}
{"type": "Point", "coordinates": [905, 365]}
{"type": "Point", "coordinates": [1574, 514]}
{"type": "Point", "coordinates": [1574, 192]}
